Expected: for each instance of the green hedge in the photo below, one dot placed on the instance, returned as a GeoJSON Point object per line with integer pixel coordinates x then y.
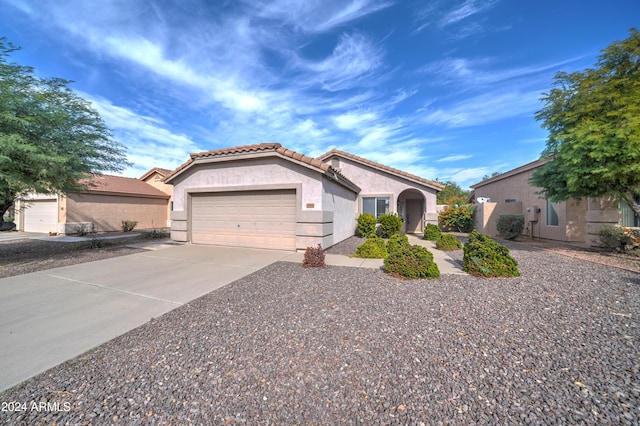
{"type": "Point", "coordinates": [412, 261]}
{"type": "Point", "coordinates": [366, 225]}
{"type": "Point", "coordinates": [432, 232]}
{"type": "Point", "coordinates": [373, 248]}
{"type": "Point", "coordinates": [448, 242]}
{"type": "Point", "coordinates": [390, 224]}
{"type": "Point", "coordinates": [484, 257]}
{"type": "Point", "coordinates": [397, 242]}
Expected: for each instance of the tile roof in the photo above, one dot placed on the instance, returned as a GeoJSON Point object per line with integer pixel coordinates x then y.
{"type": "Point", "coordinates": [262, 147]}
{"type": "Point", "coordinates": [162, 172]}
{"type": "Point", "coordinates": [433, 184]}
{"type": "Point", "coordinates": [121, 186]}
{"type": "Point", "coordinates": [520, 169]}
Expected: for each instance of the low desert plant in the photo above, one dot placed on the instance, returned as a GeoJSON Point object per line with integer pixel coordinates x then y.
{"type": "Point", "coordinates": [448, 242]}
{"type": "Point", "coordinates": [432, 232]}
{"type": "Point", "coordinates": [390, 224]}
{"type": "Point", "coordinates": [373, 248]}
{"type": "Point", "coordinates": [95, 242]}
{"type": "Point", "coordinates": [366, 225]}
{"type": "Point", "coordinates": [510, 226]}
{"type": "Point", "coordinates": [82, 229]}
{"type": "Point", "coordinates": [397, 242]}
{"type": "Point", "coordinates": [314, 257]}
{"type": "Point", "coordinates": [617, 237]}
{"type": "Point", "coordinates": [412, 261]}
{"type": "Point", "coordinates": [486, 258]}
{"type": "Point", "coordinates": [155, 234]}
{"type": "Point", "coordinates": [128, 225]}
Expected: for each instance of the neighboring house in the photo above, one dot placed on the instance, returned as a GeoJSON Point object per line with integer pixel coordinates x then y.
{"type": "Point", "coordinates": [107, 201]}
{"type": "Point", "coordinates": [571, 220]}
{"type": "Point", "coordinates": [155, 177]}
{"type": "Point", "coordinates": [267, 196]}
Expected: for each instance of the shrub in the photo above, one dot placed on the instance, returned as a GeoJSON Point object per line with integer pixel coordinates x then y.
{"type": "Point", "coordinates": [82, 230]}
{"type": "Point", "coordinates": [432, 232]}
{"type": "Point", "coordinates": [397, 242]}
{"type": "Point", "coordinates": [367, 225]}
{"type": "Point", "coordinates": [95, 242]}
{"type": "Point", "coordinates": [484, 257]}
{"type": "Point", "coordinates": [412, 261]}
{"type": "Point", "coordinates": [618, 237]}
{"type": "Point", "coordinates": [314, 257]}
{"type": "Point", "coordinates": [510, 226]}
{"type": "Point", "coordinates": [128, 225]}
{"type": "Point", "coordinates": [390, 224]}
{"type": "Point", "coordinates": [373, 248]}
{"type": "Point", "coordinates": [458, 216]}
{"type": "Point", "coordinates": [448, 242]}
{"type": "Point", "coordinates": [155, 233]}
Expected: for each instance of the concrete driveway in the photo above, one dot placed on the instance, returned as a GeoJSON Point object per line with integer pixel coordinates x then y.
{"type": "Point", "coordinates": [51, 316]}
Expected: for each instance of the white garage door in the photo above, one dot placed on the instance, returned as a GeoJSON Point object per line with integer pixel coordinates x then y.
{"type": "Point", "coordinates": [41, 216]}
{"type": "Point", "coordinates": [259, 219]}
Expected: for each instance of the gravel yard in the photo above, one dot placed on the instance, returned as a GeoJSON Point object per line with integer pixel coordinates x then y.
{"type": "Point", "coordinates": [288, 345]}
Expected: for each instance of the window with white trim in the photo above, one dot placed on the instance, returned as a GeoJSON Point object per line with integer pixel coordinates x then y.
{"type": "Point", "coordinates": [376, 206]}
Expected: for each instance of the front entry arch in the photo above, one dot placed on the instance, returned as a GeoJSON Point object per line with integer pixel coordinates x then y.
{"type": "Point", "coordinates": [411, 207]}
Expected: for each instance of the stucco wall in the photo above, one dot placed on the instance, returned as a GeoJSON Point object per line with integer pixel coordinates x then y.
{"type": "Point", "coordinates": [155, 180]}
{"type": "Point", "coordinates": [107, 212]}
{"type": "Point", "coordinates": [342, 202]}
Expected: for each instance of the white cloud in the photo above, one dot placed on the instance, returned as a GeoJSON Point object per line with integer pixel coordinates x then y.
{"type": "Point", "coordinates": [486, 108]}
{"type": "Point", "coordinates": [352, 63]}
{"type": "Point", "coordinates": [451, 158]}
{"type": "Point", "coordinates": [467, 9]}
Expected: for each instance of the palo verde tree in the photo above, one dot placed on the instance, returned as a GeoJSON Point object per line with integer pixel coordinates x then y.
{"type": "Point", "coordinates": [50, 138]}
{"type": "Point", "coordinates": [593, 119]}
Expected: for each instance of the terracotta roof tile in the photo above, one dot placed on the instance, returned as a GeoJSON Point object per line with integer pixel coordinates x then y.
{"type": "Point", "coordinates": [121, 185]}
{"type": "Point", "coordinates": [394, 171]}
{"type": "Point", "coordinates": [162, 172]}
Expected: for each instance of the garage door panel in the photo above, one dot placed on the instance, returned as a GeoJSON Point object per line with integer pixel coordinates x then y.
{"type": "Point", "coordinates": [261, 219]}
{"type": "Point", "coordinates": [41, 216]}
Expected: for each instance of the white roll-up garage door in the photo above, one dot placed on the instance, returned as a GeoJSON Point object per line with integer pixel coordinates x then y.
{"type": "Point", "coordinates": [41, 216]}
{"type": "Point", "coordinates": [258, 219]}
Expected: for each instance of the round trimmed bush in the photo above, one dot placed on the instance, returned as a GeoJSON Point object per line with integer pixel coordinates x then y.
{"type": "Point", "coordinates": [432, 232]}
{"type": "Point", "coordinates": [397, 242]}
{"type": "Point", "coordinates": [448, 242]}
{"type": "Point", "coordinates": [412, 261]}
{"type": "Point", "coordinates": [367, 225]}
{"type": "Point", "coordinates": [373, 248]}
{"type": "Point", "coordinates": [390, 224]}
{"type": "Point", "coordinates": [486, 258]}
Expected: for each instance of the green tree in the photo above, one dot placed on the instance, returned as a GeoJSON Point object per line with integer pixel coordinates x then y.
{"type": "Point", "coordinates": [593, 119]}
{"type": "Point", "coordinates": [50, 138]}
{"type": "Point", "coordinates": [451, 190]}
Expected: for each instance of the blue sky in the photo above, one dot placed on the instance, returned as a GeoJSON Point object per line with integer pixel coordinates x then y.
{"type": "Point", "coordinates": [443, 89]}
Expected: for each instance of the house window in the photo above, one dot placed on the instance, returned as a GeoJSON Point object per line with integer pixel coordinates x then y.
{"type": "Point", "coordinates": [376, 206]}
{"type": "Point", "coordinates": [552, 214]}
{"type": "Point", "coordinates": [629, 217]}
{"type": "Point", "coordinates": [510, 200]}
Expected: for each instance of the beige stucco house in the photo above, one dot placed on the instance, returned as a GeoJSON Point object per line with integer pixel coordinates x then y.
{"type": "Point", "coordinates": [571, 220]}
{"type": "Point", "coordinates": [267, 196]}
{"type": "Point", "coordinates": [155, 177]}
{"type": "Point", "coordinates": [107, 201]}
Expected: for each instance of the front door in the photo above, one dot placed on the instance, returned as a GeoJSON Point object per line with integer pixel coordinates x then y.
{"type": "Point", "coordinates": [413, 216]}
